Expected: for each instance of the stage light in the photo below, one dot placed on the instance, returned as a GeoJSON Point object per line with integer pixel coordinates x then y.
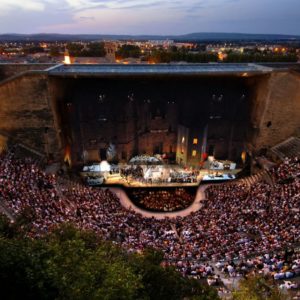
{"type": "Point", "coordinates": [244, 156]}
{"type": "Point", "coordinates": [67, 156]}
{"type": "Point", "coordinates": [104, 166]}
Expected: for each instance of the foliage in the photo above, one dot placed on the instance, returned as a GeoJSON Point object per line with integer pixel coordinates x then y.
{"type": "Point", "coordinates": [55, 51]}
{"type": "Point", "coordinates": [93, 49]}
{"type": "Point", "coordinates": [32, 49]}
{"type": "Point", "coordinates": [174, 54]}
{"type": "Point", "coordinates": [126, 51]}
{"type": "Point", "coordinates": [257, 288]}
{"type": "Point", "coordinates": [166, 283]}
{"type": "Point", "coordinates": [74, 49]}
{"type": "Point", "coordinates": [163, 56]}
{"type": "Point", "coordinates": [74, 264]}
{"type": "Point", "coordinates": [257, 57]}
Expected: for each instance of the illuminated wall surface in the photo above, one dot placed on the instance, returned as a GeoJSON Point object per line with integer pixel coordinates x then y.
{"type": "Point", "coordinates": [81, 109]}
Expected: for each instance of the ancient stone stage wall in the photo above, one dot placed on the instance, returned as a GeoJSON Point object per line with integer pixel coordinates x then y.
{"type": "Point", "coordinates": [29, 114]}
{"type": "Point", "coordinates": [9, 70]}
{"type": "Point", "coordinates": [26, 115]}
{"type": "Point", "coordinates": [276, 109]}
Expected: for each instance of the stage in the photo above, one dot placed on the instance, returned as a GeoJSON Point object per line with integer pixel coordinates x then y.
{"type": "Point", "coordinates": [155, 176]}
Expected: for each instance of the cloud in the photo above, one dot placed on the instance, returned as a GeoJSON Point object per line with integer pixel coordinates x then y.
{"type": "Point", "coordinates": [87, 18]}
{"type": "Point", "coordinates": [149, 16]}
{"type": "Point", "coordinates": [28, 5]}
{"type": "Point", "coordinates": [140, 5]}
{"type": "Point", "coordinates": [82, 5]}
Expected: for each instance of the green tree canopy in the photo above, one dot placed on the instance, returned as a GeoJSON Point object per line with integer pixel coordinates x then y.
{"type": "Point", "coordinates": [32, 49]}
{"type": "Point", "coordinates": [163, 56]}
{"type": "Point", "coordinates": [259, 57]}
{"type": "Point", "coordinates": [55, 51]}
{"type": "Point", "coordinates": [257, 288]}
{"type": "Point", "coordinates": [74, 264]}
{"type": "Point", "coordinates": [75, 49]}
{"type": "Point", "coordinates": [95, 49]}
{"type": "Point", "coordinates": [126, 51]}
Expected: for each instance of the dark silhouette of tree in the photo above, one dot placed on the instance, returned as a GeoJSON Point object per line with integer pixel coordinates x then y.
{"type": "Point", "coordinates": [74, 49]}
{"type": "Point", "coordinates": [55, 51]}
{"type": "Point", "coordinates": [163, 56]}
{"type": "Point", "coordinates": [32, 49]}
{"type": "Point", "coordinates": [257, 288]}
{"type": "Point", "coordinates": [126, 51]}
{"type": "Point", "coordinates": [259, 57]}
{"type": "Point", "coordinates": [74, 264]}
{"type": "Point", "coordinates": [94, 50]}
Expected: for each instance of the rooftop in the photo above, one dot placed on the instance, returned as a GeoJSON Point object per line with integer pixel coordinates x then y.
{"type": "Point", "coordinates": [151, 69]}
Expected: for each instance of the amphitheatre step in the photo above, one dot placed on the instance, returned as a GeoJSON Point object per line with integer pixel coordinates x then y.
{"type": "Point", "coordinates": [288, 148]}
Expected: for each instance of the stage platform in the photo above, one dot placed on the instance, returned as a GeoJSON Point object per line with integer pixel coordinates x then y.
{"type": "Point", "coordinates": [187, 177]}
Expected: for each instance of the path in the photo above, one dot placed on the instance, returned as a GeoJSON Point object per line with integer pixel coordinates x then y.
{"type": "Point", "coordinates": [195, 206]}
{"type": "Point", "coordinates": [5, 210]}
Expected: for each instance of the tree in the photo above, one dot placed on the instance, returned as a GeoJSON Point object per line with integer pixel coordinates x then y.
{"type": "Point", "coordinates": [32, 49]}
{"type": "Point", "coordinates": [74, 264]}
{"type": "Point", "coordinates": [173, 48]}
{"type": "Point", "coordinates": [257, 288]}
{"type": "Point", "coordinates": [259, 57]}
{"type": "Point", "coordinates": [54, 51]}
{"type": "Point", "coordinates": [94, 50]}
{"type": "Point", "coordinates": [6, 227]}
{"type": "Point", "coordinates": [167, 283]}
{"type": "Point", "coordinates": [2, 49]}
{"type": "Point", "coordinates": [74, 49]}
{"type": "Point", "coordinates": [126, 51]}
{"type": "Point", "coordinates": [163, 56]}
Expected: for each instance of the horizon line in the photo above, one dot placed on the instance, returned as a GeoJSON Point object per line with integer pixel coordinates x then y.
{"type": "Point", "coordinates": [154, 34]}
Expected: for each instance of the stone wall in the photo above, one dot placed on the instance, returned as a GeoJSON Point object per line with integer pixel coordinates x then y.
{"type": "Point", "coordinates": [36, 111]}
{"type": "Point", "coordinates": [9, 70]}
{"type": "Point", "coordinates": [276, 109]}
{"type": "Point", "coordinates": [25, 113]}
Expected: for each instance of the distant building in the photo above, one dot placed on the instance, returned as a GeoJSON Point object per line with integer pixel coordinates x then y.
{"type": "Point", "coordinates": [110, 49]}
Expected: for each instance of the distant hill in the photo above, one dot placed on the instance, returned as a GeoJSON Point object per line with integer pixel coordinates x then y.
{"type": "Point", "coordinates": [198, 36]}
{"type": "Point", "coordinates": [236, 36]}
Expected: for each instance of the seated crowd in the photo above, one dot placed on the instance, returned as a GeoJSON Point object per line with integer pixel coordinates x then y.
{"type": "Point", "coordinates": [164, 200]}
{"type": "Point", "coordinates": [283, 265]}
{"type": "Point", "coordinates": [234, 222]}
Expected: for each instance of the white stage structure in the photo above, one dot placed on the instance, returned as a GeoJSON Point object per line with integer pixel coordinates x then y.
{"type": "Point", "coordinates": [144, 160]}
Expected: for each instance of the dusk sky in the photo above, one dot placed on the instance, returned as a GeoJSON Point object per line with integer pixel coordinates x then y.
{"type": "Point", "coordinates": [149, 16]}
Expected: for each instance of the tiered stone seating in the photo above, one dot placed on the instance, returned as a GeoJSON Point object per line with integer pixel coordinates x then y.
{"type": "Point", "coordinates": [260, 176]}
{"type": "Point", "coordinates": [289, 148]}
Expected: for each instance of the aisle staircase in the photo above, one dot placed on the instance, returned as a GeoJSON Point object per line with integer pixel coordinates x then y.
{"type": "Point", "coordinates": [21, 150]}
{"type": "Point", "coordinates": [262, 175]}
{"type": "Point", "coordinates": [289, 148]}
{"type": "Point", "coordinates": [4, 210]}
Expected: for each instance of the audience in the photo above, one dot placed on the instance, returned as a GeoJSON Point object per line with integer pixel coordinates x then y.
{"type": "Point", "coordinates": [238, 228]}
{"type": "Point", "coordinates": [164, 200]}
